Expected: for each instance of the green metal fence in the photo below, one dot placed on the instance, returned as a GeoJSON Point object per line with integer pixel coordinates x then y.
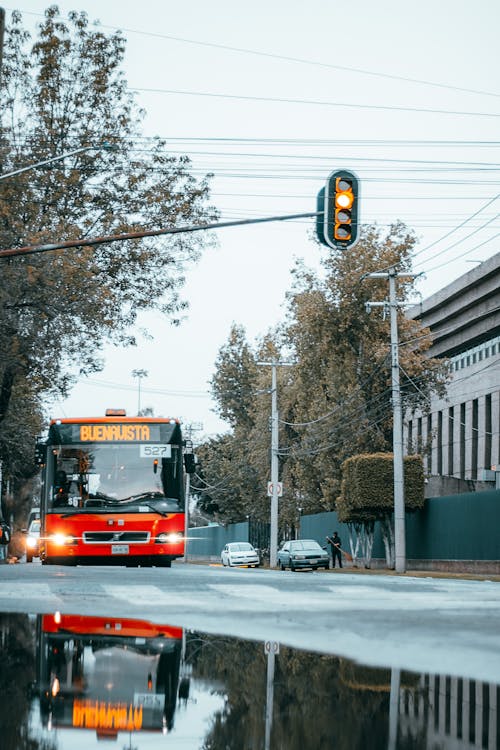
{"type": "Point", "coordinates": [456, 527]}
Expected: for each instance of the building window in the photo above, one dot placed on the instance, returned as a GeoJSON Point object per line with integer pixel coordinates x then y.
{"type": "Point", "coordinates": [487, 431]}
{"type": "Point", "coordinates": [419, 435]}
{"type": "Point", "coordinates": [440, 443]}
{"type": "Point", "coordinates": [409, 448]}
{"type": "Point", "coordinates": [462, 441]}
{"type": "Point", "coordinates": [429, 443]}
{"type": "Point", "coordinates": [451, 434]}
{"type": "Point", "coordinates": [474, 436]}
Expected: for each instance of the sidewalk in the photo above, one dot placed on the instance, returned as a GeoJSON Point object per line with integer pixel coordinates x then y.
{"type": "Point", "coordinates": [410, 573]}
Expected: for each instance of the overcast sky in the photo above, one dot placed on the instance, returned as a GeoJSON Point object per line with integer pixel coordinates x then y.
{"type": "Point", "coordinates": [273, 96]}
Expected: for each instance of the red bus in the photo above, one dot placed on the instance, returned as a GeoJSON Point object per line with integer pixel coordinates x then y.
{"type": "Point", "coordinates": [108, 675]}
{"type": "Point", "coordinates": [112, 491]}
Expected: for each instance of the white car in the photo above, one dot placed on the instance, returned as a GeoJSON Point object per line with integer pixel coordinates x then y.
{"type": "Point", "coordinates": [33, 541]}
{"type": "Point", "coordinates": [239, 553]}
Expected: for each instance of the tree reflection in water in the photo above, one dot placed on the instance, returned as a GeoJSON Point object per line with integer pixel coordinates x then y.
{"type": "Point", "coordinates": [323, 701]}
{"type": "Point", "coordinates": [319, 701]}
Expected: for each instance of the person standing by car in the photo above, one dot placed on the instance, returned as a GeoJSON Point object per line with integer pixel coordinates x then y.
{"type": "Point", "coordinates": [336, 544]}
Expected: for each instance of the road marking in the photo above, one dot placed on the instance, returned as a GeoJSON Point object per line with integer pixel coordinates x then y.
{"type": "Point", "coordinates": [27, 591]}
{"type": "Point", "coordinates": [141, 595]}
{"type": "Point", "coordinates": [380, 599]}
{"type": "Point", "coordinates": [267, 596]}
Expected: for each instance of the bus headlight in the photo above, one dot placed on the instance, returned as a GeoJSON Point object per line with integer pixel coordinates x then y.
{"type": "Point", "coordinates": [62, 539]}
{"type": "Point", "coordinates": [171, 538]}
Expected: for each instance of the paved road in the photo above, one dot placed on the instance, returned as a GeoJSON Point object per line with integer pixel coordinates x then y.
{"type": "Point", "coordinates": [428, 625]}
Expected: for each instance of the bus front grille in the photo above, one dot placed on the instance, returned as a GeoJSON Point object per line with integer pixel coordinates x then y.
{"type": "Point", "coordinates": [116, 537]}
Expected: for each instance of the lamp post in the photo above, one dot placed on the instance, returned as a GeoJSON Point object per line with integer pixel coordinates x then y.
{"type": "Point", "coordinates": [139, 374]}
{"type": "Point", "coordinates": [104, 145]}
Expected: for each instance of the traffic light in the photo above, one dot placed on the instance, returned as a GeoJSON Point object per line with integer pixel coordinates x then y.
{"type": "Point", "coordinates": [320, 218]}
{"type": "Point", "coordinates": [340, 227]}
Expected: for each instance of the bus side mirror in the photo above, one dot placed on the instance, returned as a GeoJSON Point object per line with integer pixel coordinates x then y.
{"type": "Point", "coordinates": [190, 463]}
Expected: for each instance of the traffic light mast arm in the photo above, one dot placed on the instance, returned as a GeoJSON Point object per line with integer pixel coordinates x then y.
{"type": "Point", "coordinates": [88, 242]}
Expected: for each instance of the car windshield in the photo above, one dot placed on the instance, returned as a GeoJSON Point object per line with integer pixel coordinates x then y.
{"type": "Point", "coordinates": [86, 477]}
{"type": "Point", "coordinates": [242, 547]}
{"type": "Point", "coordinates": [305, 544]}
{"type": "Point", "coordinates": [34, 527]}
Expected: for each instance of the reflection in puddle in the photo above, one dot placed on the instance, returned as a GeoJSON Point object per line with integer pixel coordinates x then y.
{"type": "Point", "coordinates": [74, 682]}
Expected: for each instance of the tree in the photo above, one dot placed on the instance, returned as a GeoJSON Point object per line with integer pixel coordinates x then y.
{"type": "Point", "coordinates": [336, 400]}
{"type": "Point", "coordinates": [62, 92]}
{"type": "Point", "coordinates": [17, 449]}
{"type": "Point", "coordinates": [339, 404]}
{"type": "Point", "coordinates": [234, 383]}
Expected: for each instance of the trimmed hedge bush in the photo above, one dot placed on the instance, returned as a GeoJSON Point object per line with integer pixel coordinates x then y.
{"type": "Point", "coordinates": [367, 489]}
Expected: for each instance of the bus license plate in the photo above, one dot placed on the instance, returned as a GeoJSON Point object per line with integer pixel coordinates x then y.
{"type": "Point", "coordinates": [119, 549]}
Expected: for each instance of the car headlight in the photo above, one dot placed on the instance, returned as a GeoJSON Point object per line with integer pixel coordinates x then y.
{"type": "Point", "coordinates": [171, 538]}
{"type": "Point", "coordinates": [31, 542]}
{"type": "Point", "coordinates": [299, 557]}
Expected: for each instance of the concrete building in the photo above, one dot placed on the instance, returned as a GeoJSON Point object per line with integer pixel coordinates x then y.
{"type": "Point", "coordinates": [460, 434]}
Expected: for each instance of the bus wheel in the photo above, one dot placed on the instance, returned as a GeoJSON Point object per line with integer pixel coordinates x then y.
{"type": "Point", "coordinates": [164, 563]}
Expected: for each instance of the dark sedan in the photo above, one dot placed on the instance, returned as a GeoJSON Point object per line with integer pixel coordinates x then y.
{"type": "Point", "coordinates": [302, 553]}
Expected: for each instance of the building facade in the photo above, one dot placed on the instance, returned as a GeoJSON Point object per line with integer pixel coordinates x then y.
{"type": "Point", "coordinates": [459, 435]}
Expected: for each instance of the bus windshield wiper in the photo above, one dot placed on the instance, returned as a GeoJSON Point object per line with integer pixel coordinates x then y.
{"type": "Point", "coordinates": [142, 497]}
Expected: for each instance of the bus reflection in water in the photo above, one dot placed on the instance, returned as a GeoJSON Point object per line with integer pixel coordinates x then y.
{"type": "Point", "coordinates": [107, 675]}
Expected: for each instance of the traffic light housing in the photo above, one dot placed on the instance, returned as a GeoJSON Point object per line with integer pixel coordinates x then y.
{"type": "Point", "coordinates": [341, 203]}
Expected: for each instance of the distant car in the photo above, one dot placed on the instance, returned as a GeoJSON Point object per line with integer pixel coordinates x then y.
{"type": "Point", "coordinates": [302, 553]}
{"type": "Point", "coordinates": [33, 516]}
{"type": "Point", "coordinates": [33, 540]}
{"type": "Point", "coordinates": [239, 553]}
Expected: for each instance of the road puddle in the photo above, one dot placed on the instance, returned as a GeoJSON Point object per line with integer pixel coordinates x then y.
{"type": "Point", "coordinates": [73, 682]}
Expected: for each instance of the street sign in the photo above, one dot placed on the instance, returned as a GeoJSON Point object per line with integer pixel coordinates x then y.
{"type": "Point", "coordinates": [279, 489]}
{"type": "Point", "coordinates": [271, 647]}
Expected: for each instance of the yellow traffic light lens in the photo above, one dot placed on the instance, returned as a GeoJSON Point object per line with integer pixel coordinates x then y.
{"type": "Point", "coordinates": [344, 200]}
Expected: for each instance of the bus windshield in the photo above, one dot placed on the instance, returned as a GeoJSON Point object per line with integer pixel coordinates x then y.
{"type": "Point", "coordinates": [110, 477]}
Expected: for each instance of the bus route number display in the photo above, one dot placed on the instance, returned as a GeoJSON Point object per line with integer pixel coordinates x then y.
{"type": "Point", "coordinates": [152, 450]}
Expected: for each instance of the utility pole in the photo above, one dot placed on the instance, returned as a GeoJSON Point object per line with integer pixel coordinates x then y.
{"type": "Point", "coordinates": [397, 418]}
{"type": "Point", "coordinates": [273, 545]}
{"type": "Point", "coordinates": [189, 447]}
{"type": "Point", "coordinates": [2, 33]}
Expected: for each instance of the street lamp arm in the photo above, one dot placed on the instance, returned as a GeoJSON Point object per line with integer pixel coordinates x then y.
{"type": "Point", "coordinates": [54, 158]}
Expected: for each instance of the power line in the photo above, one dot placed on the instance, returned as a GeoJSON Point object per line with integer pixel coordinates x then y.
{"type": "Point", "coordinates": [470, 250]}
{"type": "Point", "coordinates": [286, 58]}
{"type": "Point", "coordinates": [284, 100]}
